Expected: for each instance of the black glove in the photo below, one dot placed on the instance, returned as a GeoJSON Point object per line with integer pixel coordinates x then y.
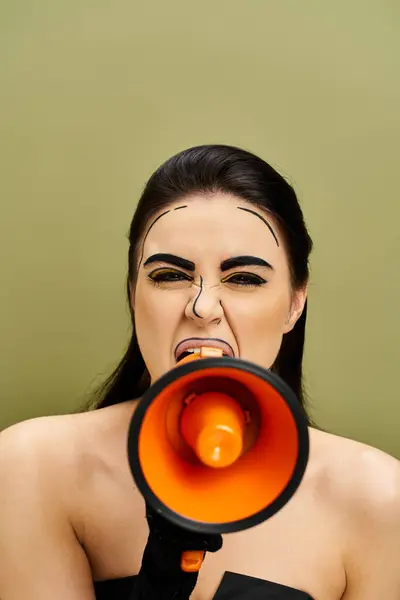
{"type": "Point", "coordinates": [161, 576]}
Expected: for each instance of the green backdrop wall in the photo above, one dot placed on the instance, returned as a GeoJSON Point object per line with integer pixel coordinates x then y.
{"type": "Point", "coordinates": [94, 95]}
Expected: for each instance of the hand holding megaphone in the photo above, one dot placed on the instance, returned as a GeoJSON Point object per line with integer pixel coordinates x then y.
{"type": "Point", "coordinates": [161, 574]}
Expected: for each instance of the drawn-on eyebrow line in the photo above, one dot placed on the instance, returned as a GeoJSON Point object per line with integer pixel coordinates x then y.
{"type": "Point", "coordinates": [262, 219]}
{"type": "Point", "coordinates": [151, 226]}
{"type": "Point", "coordinates": [188, 265]}
{"type": "Point", "coordinates": [148, 231]}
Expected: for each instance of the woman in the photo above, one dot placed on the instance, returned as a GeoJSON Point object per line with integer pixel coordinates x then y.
{"type": "Point", "coordinates": [218, 251]}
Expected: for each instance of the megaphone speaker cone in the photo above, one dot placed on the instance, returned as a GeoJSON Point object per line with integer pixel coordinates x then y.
{"type": "Point", "coordinates": [218, 445]}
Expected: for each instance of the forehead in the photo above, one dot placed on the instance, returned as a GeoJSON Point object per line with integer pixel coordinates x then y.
{"type": "Point", "coordinates": [207, 226]}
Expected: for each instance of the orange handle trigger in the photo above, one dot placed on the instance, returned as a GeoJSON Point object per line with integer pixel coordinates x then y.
{"type": "Point", "coordinates": [192, 560]}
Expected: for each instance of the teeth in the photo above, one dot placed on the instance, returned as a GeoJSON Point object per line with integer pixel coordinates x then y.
{"type": "Point", "coordinates": [195, 351]}
{"type": "Point", "coordinates": [190, 351]}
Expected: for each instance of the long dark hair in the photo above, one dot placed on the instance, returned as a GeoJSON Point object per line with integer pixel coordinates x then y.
{"type": "Point", "coordinates": [211, 169]}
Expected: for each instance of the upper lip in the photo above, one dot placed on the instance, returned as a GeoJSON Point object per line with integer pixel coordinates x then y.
{"type": "Point", "coordinates": [197, 342]}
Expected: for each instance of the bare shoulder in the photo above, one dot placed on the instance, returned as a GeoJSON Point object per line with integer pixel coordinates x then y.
{"type": "Point", "coordinates": [38, 462]}
{"type": "Point", "coordinates": [39, 441]}
{"type": "Point", "coordinates": [46, 466]}
{"type": "Point", "coordinates": [44, 441]}
{"type": "Point", "coordinates": [39, 551]}
{"type": "Point", "coordinates": [39, 431]}
{"type": "Point", "coordinates": [363, 486]}
{"type": "Point", "coordinates": [63, 449]}
{"type": "Point", "coordinates": [358, 473]}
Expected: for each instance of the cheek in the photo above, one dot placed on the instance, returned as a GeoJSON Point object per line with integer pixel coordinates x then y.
{"type": "Point", "coordinates": [258, 321]}
{"type": "Point", "coordinates": [150, 314]}
{"type": "Point", "coordinates": [261, 310]}
{"type": "Point", "coordinates": [157, 314]}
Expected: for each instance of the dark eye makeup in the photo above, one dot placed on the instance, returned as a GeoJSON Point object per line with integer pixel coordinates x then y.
{"type": "Point", "coordinates": [244, 279]}
{"type": "Point", "coordinates": [164, 275]}
{"type": "Point", "coordinates": [241, 278]}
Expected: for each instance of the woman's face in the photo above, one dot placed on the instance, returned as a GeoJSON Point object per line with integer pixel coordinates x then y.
{"type": "Point", "coordinates": [213, 268]}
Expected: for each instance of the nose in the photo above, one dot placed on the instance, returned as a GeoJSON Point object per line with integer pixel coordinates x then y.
{"type": "Point", "coordinates": [204, 306]}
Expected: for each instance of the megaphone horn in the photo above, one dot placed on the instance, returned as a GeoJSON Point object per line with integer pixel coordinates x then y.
{"type": "Point", "coordinates": [218, 445]}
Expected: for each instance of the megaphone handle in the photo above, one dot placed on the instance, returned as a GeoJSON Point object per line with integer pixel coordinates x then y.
{"type": "Point", "coordinates": [171, 560]}
{"type": "Point", "coordinates": [161, 576]}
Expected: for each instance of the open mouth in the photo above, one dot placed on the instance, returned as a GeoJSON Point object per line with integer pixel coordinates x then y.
{"type": "Point", "coordinates": [192, 351]}
{"type": "Point", "coordinates": [192, 346]}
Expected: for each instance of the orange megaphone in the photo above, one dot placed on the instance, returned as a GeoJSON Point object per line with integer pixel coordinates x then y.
{"type": "Point", "coordinates": [218, 445]}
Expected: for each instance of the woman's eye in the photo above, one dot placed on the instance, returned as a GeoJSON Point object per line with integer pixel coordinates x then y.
{"type": "Point", "coordinates": [168, 276]}
{"type": "Point", "coordinates": [244, 279]}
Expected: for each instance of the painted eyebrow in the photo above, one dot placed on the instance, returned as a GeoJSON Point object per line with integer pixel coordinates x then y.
{"type": "Point", "coordinates": [171, 259]}
{"type": "Point", "coordinates": [226, 265]}
{"type": "Point", "coordinates": [244, 261]}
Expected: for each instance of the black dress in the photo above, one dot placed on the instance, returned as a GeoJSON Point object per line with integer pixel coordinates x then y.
{"type": "Point", "coordinates": [233, 587]}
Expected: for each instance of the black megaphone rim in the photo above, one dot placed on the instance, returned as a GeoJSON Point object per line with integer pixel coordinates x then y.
{"type": "Point", "coordinates": [154, 390]}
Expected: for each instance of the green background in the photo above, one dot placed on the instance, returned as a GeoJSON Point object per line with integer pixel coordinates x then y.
{"type": "Point", "coordinates": [95, 94]}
